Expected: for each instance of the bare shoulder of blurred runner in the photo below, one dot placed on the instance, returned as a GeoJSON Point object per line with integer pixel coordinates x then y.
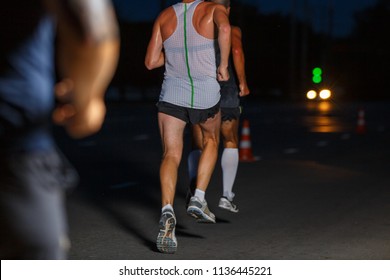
{"type": "Point", "coordinates": [87, 55]}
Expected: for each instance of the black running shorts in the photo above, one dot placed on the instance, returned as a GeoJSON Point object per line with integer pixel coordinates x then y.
{"type": "Point", "coordinates": [188, 115]}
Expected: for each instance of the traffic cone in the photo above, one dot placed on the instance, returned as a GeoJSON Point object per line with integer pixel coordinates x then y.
{"type": "Point", "coordinates": [361, 122]}
{"type": "Point", "coordinates": [245, 152]}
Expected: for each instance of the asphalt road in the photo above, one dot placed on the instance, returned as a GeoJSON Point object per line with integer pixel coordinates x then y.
{"type": "Point", "coordinates": [318, 190]}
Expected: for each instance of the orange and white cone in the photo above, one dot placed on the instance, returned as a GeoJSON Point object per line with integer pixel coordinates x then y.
{"type": "Point", "coordinates": [361, 122]}
{"type": "Point", "coordinates": [245, 152]}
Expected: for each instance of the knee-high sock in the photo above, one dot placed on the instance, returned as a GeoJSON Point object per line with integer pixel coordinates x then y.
{"type": "Point", "coordinates": [229, 163]}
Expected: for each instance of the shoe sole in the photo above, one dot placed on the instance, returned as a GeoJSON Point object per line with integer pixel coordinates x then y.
{"type": "Point", "coordinates": [166, 242]}
{"type": "Point", "coordinates": [228, 208]}
{"type": "Point", "coordinates": [199, 215]}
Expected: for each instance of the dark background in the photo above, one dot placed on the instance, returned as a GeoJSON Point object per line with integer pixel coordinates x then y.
{"type": "Point", "coordinates": [281, 51]}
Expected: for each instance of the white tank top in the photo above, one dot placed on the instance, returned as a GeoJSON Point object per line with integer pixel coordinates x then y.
{"type": "Point", "coordinates": [190, 78]}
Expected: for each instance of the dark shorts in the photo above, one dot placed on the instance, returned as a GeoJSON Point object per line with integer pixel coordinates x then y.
{"type": "Point", "coordinates": [188, 115]}
{"type": "Point", "coordinates": [229, 97]}
{"type": "Point", "coordinates": [228, 114]}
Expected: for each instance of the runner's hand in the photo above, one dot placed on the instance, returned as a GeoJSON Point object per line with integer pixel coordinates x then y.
{"type": "Point", "coordinates": [223, 74]}
{"type": "Point", "coordinates": [80, 120]}
{"type": "Point", "coordinates": [244, 90]}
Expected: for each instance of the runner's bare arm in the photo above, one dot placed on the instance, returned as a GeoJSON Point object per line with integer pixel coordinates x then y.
{"type": "Point", "coordinates": [88, 51]}
{"type": "Point", "coordinates": [239, 60]}
{"type": "Point", "coordinates": [154, 55]}
{"type": "Point", "coordinates": [221, 19]}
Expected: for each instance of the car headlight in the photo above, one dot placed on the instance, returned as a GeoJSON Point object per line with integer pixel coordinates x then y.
{"type": "Point", "coordinates": [325, 94]}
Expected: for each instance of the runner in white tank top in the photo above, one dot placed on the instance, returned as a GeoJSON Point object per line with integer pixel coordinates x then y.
{"type": "Point", "coordinates": [190, 94]}
{"type": "Point", "coordinates": [190, 78]}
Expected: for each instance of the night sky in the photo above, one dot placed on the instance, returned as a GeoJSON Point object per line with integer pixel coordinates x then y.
{"type": "Point", "coordinates": [141, 10]}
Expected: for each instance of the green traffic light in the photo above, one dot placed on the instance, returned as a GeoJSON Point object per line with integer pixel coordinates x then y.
{"type": "Point", "coordinates": [317, 71]}
{"type": "Point", "coordinates": [317, 78]}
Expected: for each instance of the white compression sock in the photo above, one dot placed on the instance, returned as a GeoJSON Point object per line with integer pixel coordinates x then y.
{"type": "Point", "coordinates": [229, 164]}
{"type": "Point", "coordinates": [193, 161]}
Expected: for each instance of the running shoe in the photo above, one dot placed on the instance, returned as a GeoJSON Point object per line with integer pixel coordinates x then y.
{"type": "Point", "coordinates": [199, 210]}
{"type": "Point", "coordinates": [226, 204]}
{"type": "Point", "coordinates": [166, 239]}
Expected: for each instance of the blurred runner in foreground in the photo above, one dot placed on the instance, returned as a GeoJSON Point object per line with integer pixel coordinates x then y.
{"type": "Point", "coordinates": [34, 176]}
